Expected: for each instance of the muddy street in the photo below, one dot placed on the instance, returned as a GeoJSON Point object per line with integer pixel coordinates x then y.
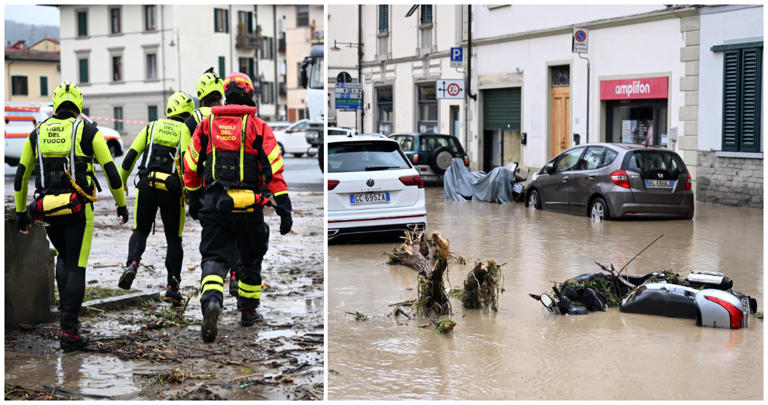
{"type": "Point", "coordinates": [524, 351]}
{"type": "Point", "coordinates": [149, 351]}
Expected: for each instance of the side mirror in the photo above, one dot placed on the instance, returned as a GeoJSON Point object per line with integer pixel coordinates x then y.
{"type": "Point", "coordinates": [549, 167]}
{"type": "Point", "coordinates": [547, 301]}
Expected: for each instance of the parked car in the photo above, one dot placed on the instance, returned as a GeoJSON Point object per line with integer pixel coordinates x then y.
{"type": "Point", "coordinates": [431, 154]}
{"type": "Point", "coordinates": [278, 125]}
{"type": "Point", "coordinates": [372, 188]}
{"type": "Point", "coordinates": [21, 119]}
{"type": "Point", "coordinates": [338, 131]}
{"type": "Point", "coordinates": [293, 139]}
{"type": "Point", "coordinates": [614, 181]}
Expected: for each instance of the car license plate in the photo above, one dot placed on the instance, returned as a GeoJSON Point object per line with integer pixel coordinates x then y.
{"type": "Point", "coordinates": [654, 183]}
{"type": "Point", "coordinates": [369, 198]}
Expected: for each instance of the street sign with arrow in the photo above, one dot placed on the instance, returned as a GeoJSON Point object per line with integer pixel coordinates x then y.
{"type": "Point", "coordinates": [450, 89]}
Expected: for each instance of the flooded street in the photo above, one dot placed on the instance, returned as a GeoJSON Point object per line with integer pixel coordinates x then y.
{"type": "Point", "coordinates": [525, 352]}
{"type": "Point", "coordinates": [148, 351]}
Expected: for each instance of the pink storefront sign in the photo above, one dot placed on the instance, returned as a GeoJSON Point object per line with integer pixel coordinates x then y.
{"type": "Point", "coordinates": [634, 89]}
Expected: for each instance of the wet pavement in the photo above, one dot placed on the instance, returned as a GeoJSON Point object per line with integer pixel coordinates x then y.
{"type": "Point", "coordinates": [525, 352]}
{"type": "Point", "coordinates": [151, 352]}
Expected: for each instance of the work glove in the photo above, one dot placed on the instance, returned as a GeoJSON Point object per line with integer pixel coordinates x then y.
{"type": "Point", "coordinates": [22, 222]}
{"type": "Point", "coordinates": [194, 202]}
{"type": "Point", "coordinates": [283, 208]}
{"type": "Point", "coordinates": [123, 212]}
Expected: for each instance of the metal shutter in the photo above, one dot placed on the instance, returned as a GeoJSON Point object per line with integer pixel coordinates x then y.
{"type": "Point", "coordinates": [501, 109]}
{"type": "Point", "coordinates": [383, 18]}
{"type": "Point", "coordinates": [731, 62]}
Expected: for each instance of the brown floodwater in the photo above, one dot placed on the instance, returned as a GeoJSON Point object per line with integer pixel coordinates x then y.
{"type": "Point", "coordinates": [525, 352]}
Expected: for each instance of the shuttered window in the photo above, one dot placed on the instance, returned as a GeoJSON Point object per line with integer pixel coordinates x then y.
{"type": "Point", "coordinates": [82, 23]}
{"type": "Point", "coordinates": [43, 85]}
{"type": "Point", "coordinates": [383, 19]}
{"type": "Point", "coordinates": [742, 88]}
{"type": "Point", "coordinates": [83, 70]}
{"type": "Point", "coordinates": [222, 62]}
{"type": "Point", "coordinates": [501, 109]}
{"type": "Point", "coordinates": [152, 113]}
{"type": "Point", "coordinates": [426, 14]}
{"type": "Point", "coordinates": [220, 20]}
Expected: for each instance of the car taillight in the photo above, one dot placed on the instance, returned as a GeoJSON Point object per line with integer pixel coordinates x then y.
{"type": "Point", "coordinates": [619, 178]}
{"type": "Point", "coordinates": [415, 158]}
{"type": "Point", "coordinates": [737, 317]}
{"type": "Point", "coordinates": [332, 184]}
{"type": "Point", "coordinates": [412, 181]}
{"type": "Point", "coordinates": [688, 182]}
{"type": "Point", "coordinates": [466, 161]}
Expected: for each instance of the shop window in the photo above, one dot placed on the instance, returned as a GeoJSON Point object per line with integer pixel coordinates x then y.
{"type": "Point", "coordinates": [742, 88]}
{"type": "Point", "coordinates": [427, 108]}
{"type": "Point", "coordinates": [19, 86]}
{"type": "Point", "coordinates": [637, 121]}
{"type": "Point", "coordinates": [384, 109]}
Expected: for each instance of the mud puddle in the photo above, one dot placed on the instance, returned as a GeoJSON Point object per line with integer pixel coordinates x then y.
{"type": "Point", "coordinates": [523, 351]}
{"type": "Point", "coordinates": [150, 351]}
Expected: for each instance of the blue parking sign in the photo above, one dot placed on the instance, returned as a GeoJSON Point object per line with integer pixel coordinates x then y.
{"type": "Point", "coordinates": [457, 57]}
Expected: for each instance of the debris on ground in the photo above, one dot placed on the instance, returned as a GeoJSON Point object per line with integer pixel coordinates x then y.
{"type": "Point", "coordinates": [482, 286]}
{"type": "Point", "coordinates": [429, 256]}
{"type": "Point", "coordinates": [445, 326]}
{"type": "Point", "coordinates": [359, 316]}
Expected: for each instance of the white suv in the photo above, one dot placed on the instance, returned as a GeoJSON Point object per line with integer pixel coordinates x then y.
{"type": "Point", "coordinates": [372, 188]}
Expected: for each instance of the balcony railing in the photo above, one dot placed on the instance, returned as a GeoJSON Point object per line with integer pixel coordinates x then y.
{"type": "Point", "coordinates": [245, 41]}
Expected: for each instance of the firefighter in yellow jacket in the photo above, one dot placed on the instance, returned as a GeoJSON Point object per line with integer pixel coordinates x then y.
{"type": "Point", "coordinates": [61, 152]}
{"type": "Point", "coordinates": [160, 186]}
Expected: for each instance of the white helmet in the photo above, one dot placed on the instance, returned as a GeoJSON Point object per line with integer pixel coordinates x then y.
{"type": "Point", "coordinates": [720, 309]}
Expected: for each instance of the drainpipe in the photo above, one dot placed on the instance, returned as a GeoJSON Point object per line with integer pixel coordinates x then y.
{"type": "Point", "coordinates": [256, 59]}
{"type": "Point", "coordinates": [360, 64]}
{"type": "Point", "coordinates": [231, 48]}
{"type": "Point", "coordinates": [276, 85]}
{"type": "Point", "coordinates": [162, 41]}
{"type": "Point", "coordinates": [468, 93]}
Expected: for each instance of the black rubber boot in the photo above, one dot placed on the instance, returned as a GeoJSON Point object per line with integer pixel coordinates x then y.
{"type": "Point", "coordinates": [72, 339]}
{"type": "Point", "coordinates": [248, 318]}
{"type": "Point", "coordinates": [209, 329]}
{"type": "Point", "coordinates": [128, 275]}
{"type": "Point", "coordinates": [233, 284]}
{"type": "Point", "coordinates": [173, 296]}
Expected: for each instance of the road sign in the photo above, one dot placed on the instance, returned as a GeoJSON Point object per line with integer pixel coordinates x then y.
{"type": "Point", "coordinates": [349, 96]}
{"type": "Point", "coordinates": [457, 57]}
{"type": "Point", "coordinates": [579, 40]}
{"type": "Point", "coordinates": [450, 88]}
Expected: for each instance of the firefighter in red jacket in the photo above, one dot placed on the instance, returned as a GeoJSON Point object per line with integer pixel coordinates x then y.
{"type": "Point", "coordinates": [231, 167]}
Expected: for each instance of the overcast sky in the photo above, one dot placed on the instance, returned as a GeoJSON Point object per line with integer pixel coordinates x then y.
{"type": "Point", "coordinates": [37, 15]}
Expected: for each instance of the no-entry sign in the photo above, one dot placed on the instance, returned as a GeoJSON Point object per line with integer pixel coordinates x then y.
{"type": "Point", "coordinates": [579, 40]}
{"type": "Point", "coordinates": [450, 88]}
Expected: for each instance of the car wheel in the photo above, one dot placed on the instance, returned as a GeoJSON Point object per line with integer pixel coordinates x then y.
{"type": "Point", "coordinates": [534, 200]}
{"type": "Point", "coordinates": [598, 209]}
{"type": "Point", "coordinates": [440, 160]}
{"type": "Point", "coordinates": [12, 162]}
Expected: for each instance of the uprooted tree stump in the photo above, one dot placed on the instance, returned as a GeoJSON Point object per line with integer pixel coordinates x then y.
{"type": "Point", "coordinates": [482, 287]}
{"type": "Point", "coordinates": [429, 256]}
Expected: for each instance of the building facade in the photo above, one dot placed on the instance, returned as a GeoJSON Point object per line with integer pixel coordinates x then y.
{"type": "Point", "coordinates": [403, 58]}
{"type": "Point", "coordinates": [303, 28]}
{"type": "Point", "coordinates": [730, 105]}
{"type": "Point", "coordinates": [129, 58]}
{"type": "Point", "coordinates": [344, 33]}
{"type": "Point", "coordinates": [31, 73]}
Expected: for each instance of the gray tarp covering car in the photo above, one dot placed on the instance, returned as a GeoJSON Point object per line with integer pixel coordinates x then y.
{"type": "Point", "coordinates": [460, 184]}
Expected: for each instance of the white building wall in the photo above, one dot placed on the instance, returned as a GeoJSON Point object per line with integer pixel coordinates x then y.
{"type": "Point", "coordinates": [719, 26]}
{"type": "Point", "coordinates": [644, 49]}
{"type": "Point", "coordinates": [342, 27]}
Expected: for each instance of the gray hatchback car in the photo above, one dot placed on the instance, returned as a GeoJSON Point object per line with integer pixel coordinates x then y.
{"type": "Point", "coordinates": [606, 181]}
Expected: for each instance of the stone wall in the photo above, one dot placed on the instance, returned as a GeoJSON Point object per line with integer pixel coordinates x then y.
{"type": "Point", "coordinates": [730, 180]}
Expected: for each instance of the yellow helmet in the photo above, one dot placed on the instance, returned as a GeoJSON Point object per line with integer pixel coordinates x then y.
{"type": "Point", "coordinates": [208, 83]}
{"type": "Point", "coordinates": [68, 92]}
{"type": "Point", "coordinates": [179, 103]}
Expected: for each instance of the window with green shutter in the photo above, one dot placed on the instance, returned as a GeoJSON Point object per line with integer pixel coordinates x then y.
{"type": "Point", "coordinates": [222, 62]}
{"type": "Point", "coordinates": [220, 20]}
{"type": "Point", "coordinates": [118, 115]}
{"type": "Point", "coordinates": [82, 23]}
{"type": "Point", "coordinates": [19, 86]}
{"type": "Point", "coordinates": [83, 70]}
{"type": "Point", "coordinates": [742, 92]}
{"type": "Point", "coordinates": [43, 85]}
{"type": "Point", "coordinates": [250, 23]}
{"type": "Point", "coordinates": [383, 19]}
{"type": "Point", "coordinates": [426, 14]}
{"type": "Point", "coordinates": [152, 113]}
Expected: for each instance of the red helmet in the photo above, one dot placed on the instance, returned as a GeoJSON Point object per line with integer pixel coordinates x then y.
{"type": "Point", "coordinates": [238, 83]}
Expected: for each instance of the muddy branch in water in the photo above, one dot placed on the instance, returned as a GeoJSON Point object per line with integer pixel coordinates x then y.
{"type": "Point", "coordinates": [429, 256]}
{"type": "Point", "coordinates": [482, 286]}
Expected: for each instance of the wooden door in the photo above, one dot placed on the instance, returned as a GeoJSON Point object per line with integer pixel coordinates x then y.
{"type": "Point", "coordinates": [561, 118]}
